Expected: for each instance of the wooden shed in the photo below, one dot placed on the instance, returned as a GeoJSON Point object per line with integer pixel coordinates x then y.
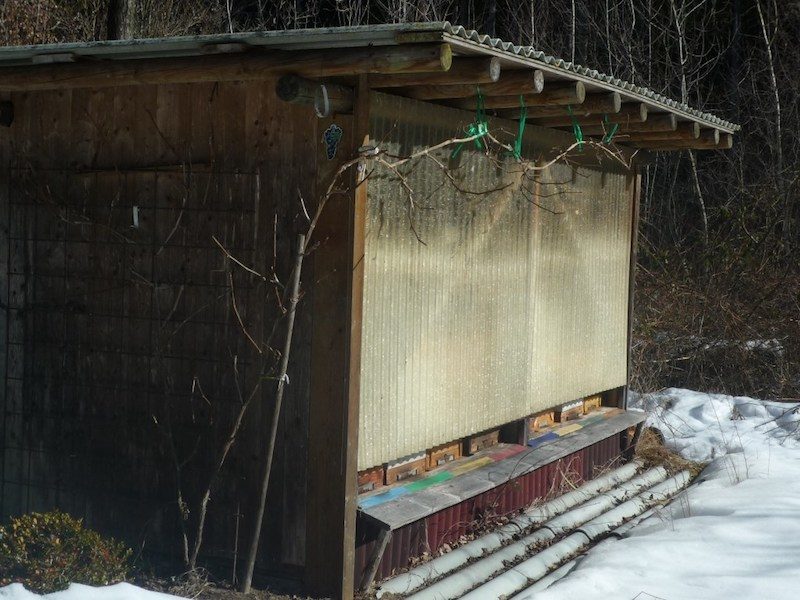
{"type": "Point", "coordinates": [461, 342]}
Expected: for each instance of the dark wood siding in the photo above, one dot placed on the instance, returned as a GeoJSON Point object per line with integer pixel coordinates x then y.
{"type": "Point", "coordinates": [115, 334]}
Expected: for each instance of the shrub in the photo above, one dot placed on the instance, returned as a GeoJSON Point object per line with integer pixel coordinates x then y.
{"type": "Point", "coordinates": [47, 551]}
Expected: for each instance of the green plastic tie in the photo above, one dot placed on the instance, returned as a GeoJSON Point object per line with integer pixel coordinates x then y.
{"type": "Point", "coordinates": [609, 136]}
{"type": "Point", "coordinates": [523, 115]}
{"type": "Point", "coordinates": [576, 128]}
{"type": "Point", "coordinates": [477, 129]}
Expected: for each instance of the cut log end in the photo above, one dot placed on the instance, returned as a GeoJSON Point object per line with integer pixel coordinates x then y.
{"type": "Point", "coordinates": [538, 80]}
{"type": "Point", "coordinates": [446, 57]}
{"type": "Point", "coordinates": [494, 68]}
{"type": "Point", "coordinates": [580, 92]}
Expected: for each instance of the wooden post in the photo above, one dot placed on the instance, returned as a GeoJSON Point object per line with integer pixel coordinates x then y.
{"type": "Point", "coordinates": [635, 203]}
{"type": "Point", "coordinates": [336, 369]}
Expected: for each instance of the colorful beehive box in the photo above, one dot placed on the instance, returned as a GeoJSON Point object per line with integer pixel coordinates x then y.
{"type": "Point", "coordinates": [569, 411]}
{"type": "Point", "coordinates": [441, 455]}
{"type": "Point", "coordinates": [370, 479]}
{"type": "Point", "coordinates": [481, 441]}
{"type": "Point", "coordinates": [539, 422]}
{"type": "Point", "coordinates": [592, 403]}
{"type": "Point", "coordinates": [404, 468]}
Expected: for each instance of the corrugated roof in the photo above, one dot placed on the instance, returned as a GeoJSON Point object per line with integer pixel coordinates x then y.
{"type": "Point", "coordinates": [464, 41]}
{"type": "Point", "coordinates": [624, 87]}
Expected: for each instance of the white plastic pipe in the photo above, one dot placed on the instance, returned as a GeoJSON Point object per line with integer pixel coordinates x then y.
{"type": "Point", "coordinates": [417, 577]}
{"type": "Point", "coordinates": [565, 569]}
{"type": "Point", "coordinates": [546, 581]}
{"type": "Point", "coordinates": [516, 580]}
{"type": "Point", "coordinates": [458, 583]}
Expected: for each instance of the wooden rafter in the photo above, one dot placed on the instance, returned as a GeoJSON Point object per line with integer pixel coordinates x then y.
{"type": "Point", "coordinates": [634, 112]}
{"type": "Point", "coordinates": [687, 130]}
{"type": "Point", "coordinates": [463, 71]}
{"type": "Point", "coordinates": [705, 142]}
{"type": "Point", "coordinates": [559, 94]}
{"type": "Point", "coordinates": [525, 82]}
{"type": "Point", "coordinates": [658, 122]}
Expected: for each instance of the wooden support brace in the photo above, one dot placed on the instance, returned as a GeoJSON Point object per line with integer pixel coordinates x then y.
{"type": "Point", "coordinates": [375, 560]}
{"type": "Point", "coordinates": [510, 82]}
{"type": "Point", "coordinates": [326, 98]}
{"type": "Point", "coordinates": [466, 71]}
{"type": "Point", "coordinates": [558, 94]}
{"type": "Point", "coordinates": [231, 67]}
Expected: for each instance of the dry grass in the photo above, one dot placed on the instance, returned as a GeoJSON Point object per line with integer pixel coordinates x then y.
{"type": "Point", "coordinates": [652, 451]}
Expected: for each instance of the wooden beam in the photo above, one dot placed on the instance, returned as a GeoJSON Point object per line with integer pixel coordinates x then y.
{"type": "Point", "coordinates": [326, 98]}
{"type": "Point", "coordinates": [725, 143]}
{"type": "Point", "coordinates": [230, 67]}
{"type": "Point", "coordinates": [636, 200]}
{"type": "Point", "coordinates": [687, 130]}
{"type": "Point", "coordinates": [463, 71]}
{"type": "Point", "coordinates": [606, 102]}
{"type": "Point", "coordinates": [510, 82]}
{"type": "Point", "coordinates": [713, 137]}
{"type": "Point", "coordinates": [635, 112]}
{"type": "Point", "coordinates": [336, 299]}
{"type": "Point", "coordinates": [559, 94]}
{"type": "Point", "coordinates": [659, 122]}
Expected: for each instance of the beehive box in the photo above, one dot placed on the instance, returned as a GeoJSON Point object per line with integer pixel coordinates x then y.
{"type": "Point", "coordinates": [539, 422]}
{"type": "Point", "coordinates": [481, 441]}
{"type": "Point", "coordinates": [569, 411]}
{"type": "Point", "coordinates": [592, 403]}
{"type": "Point", "coordinates": [403, 468]}
{"type": "Point", "coordinates": [370, 479]}
{"type": "Point", "coordinates": [441, 455]}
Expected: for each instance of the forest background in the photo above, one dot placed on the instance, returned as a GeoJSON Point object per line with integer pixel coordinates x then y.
{"type": "Point", "coordinates": [718, 281]}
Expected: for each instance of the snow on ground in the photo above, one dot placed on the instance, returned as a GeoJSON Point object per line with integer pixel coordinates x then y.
{"type": "Point", "coordinates": [734, 534]}
{"type": "Point", "coordinates": [120, 591]}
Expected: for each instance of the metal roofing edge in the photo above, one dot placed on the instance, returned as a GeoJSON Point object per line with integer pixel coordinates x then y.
{"type": "Point", "coordinates": [539, 58]}
{"type": "Point", "coordinates": [339, 37]}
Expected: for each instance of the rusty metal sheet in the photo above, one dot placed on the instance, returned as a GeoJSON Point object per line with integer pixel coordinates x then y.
{"type": "Point", "coordinates": [448, 525]}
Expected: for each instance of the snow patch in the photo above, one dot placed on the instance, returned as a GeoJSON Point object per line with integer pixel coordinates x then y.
{"type": "Point", "coordinates": [76, 591]}
{"type": "Point", "coordinates": [734, 534]}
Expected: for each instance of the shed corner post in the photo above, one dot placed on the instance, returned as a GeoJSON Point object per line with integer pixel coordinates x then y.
{"type": "Point", "coordinates": [636, 202]}
{"type": "Point", "coordinates": [336, 369]}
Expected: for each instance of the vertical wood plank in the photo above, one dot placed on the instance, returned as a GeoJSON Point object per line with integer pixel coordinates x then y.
{"type": "Point", "coordinates": [636, 200]}
{"type": "Point", "coordinates": [335, 376]}
{"type": "Point", "coordinates": [5, 142]}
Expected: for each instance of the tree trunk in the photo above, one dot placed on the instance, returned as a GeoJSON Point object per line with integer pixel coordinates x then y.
{"type": "Point", "coordinates": [121, 19]}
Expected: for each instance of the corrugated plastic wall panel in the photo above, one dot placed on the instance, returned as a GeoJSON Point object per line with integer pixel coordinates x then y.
{"type": "Point", "coordinates": [480, 309]}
